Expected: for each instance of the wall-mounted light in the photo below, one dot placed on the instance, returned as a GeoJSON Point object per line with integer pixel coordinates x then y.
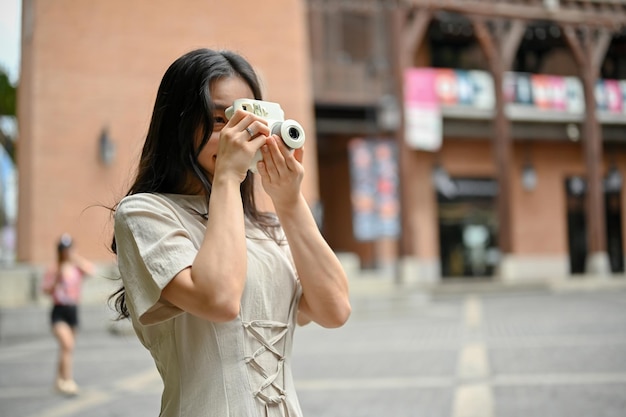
{"type": "Point", "coordinates": [613, 180]}
{"type": "Point", "coordinates": [388, 113]}
{"type": "Point", "coordinates": [106, 148]}
{"type": "Point", "coordinates": [529, 177]}
{"type": "Point", "coordinates": [443, 183]}
{"type": "Point", "coordinates": [551, 5]}
{"type": "Point", "coordinates": [576, 186]}
{"type": "Point", "coordinates": [572, 132]}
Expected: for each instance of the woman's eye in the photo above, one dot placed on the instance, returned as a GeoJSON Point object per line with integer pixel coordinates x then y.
{"type": "Point", "coordinates": [219, 120]}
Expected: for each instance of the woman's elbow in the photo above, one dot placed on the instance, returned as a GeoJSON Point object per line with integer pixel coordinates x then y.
{"type": "Point", "coordinates": [338, 318]}
{"type": "Point", "coordinates": [228, 313]}
{"type": "Point", "coordinates": [220, 311]}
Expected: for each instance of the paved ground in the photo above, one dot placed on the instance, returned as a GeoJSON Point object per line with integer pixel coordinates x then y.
{"type": "Point", "coordinates": [511, 353]}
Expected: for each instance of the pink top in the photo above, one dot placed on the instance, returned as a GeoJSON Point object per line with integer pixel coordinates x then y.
{"type": "Point", "coordinates": [67, 289]}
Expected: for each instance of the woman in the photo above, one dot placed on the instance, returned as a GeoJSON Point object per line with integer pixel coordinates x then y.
{"type": "Point", "coordinates": [63, 283]}
{"type": "Point", "coordinates": [213, 286]}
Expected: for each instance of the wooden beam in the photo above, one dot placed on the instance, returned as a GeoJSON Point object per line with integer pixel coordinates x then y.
{"type": "Point", "coordinates": [407, 35]}
{"type": "Point", "coordinates": [485, 40]}
{"type": "Point", "coordinates": [413, 34]}
{"type": "Point", "coordinates": [498, 9]}
{"type": "Point", "coordinates": [602, 42]}
{"type": "Point", "coordinates": [397, 19]}
{"type": "Point", "coordinates": [499, 43]}
{"type": "Point", "coordinates": [569, 32]}
{"type": "Point", "coordinates": [595, 13]}
{"type": "Point", "coordinates": [511, 42]}
{"type": "Point", "coordinates": [589, 47]}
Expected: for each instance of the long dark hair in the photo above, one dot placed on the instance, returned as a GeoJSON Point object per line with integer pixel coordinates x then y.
{"type": "Point", "coordinates": [183, 107]}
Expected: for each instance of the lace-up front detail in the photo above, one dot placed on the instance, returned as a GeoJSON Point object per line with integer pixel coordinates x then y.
{"type": "Point", "coordinates": [270, 392]}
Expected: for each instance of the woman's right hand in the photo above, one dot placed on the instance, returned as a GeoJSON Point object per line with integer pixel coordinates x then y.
{"type": "Point", "coordinates": [239, 139]}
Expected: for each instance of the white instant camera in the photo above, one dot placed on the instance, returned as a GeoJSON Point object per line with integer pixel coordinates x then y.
{"type": "Point", "coordinates": [290, 131]}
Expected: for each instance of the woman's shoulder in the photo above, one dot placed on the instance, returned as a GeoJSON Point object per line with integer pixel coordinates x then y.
{"type": "Point", "coordinates": [139, 204]}
{"type": "Point", "coordinates": [158, 208]}
{"type": "Point", "coordinates": [156, 201]}
{"type": "Point", "coordinates": [140, 199]}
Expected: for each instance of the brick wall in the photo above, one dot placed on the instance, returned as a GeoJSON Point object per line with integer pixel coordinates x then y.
{"type": "Point", "coordinates": [96, 64]}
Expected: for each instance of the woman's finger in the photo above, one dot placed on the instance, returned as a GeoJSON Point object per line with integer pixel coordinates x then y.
{"type": "Point", "coordinates": [268, 159]}
{"type": "Point", "coordinates": [237, 117]}
{"type": "Point", "coordinates": [279, 152]}
{"type": "Point", "coordinates": [256, 128]}
{"type": "Point", "coordinates": [249, 123]}
{"type": "Point", "coordinates": [257, 142]}
{"type": "Point", "coordinates": [299, 154]}
{"type": "Point", "coordinates": [262, 169]}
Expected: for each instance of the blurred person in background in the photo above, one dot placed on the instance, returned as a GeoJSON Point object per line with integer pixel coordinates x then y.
{"type": "Point", "coordinates": [214, 286]}
{"type": "Point", "coordinates": [63, 282]}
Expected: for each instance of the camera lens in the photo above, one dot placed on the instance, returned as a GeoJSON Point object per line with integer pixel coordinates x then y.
{"type": "Point", "coordinates": [291, 133]}
{"type": "Point", "coordinates": [294, 133]}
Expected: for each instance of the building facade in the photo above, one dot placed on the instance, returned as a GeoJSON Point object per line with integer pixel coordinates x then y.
{"type": "Point", "coordinates": [495, 150]}
{"type": "Point", "coordinates": [445, 138]}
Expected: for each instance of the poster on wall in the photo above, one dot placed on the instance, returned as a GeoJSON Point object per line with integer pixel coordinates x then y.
{"type": "Point", "coordinates": [423, 119]}
{"type": "Point", "coordinates": [464, 88]}
{"type": "Point", "coordinates": [517, 88]}
{"type": "Point", "coordinates": [374, 188]}
{"type": "Point", "coordinates": [482, 91]}
{"type": "Point", "coordinates": [549, 92]}
{"type": "Point", "coordinates": [622, 87]}
{"type": "Point", "coordinates": [609, 96]}
{"type": "Point", "coordinates": [575, 95]}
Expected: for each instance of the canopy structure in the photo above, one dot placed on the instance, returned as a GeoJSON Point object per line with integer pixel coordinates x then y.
{"type": "Point", "coordinates": [587, 27]}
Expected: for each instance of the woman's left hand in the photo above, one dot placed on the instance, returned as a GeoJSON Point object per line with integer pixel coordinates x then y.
{"type": "Point", "coordinates": [325, 298]}
{"type": "Point", "coordinates": [281, 172]}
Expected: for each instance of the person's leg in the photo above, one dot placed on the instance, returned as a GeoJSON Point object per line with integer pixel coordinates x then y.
{"type": "Point", "coordinates": [66, 339]}
{"type": "Point", "coordinates": [65, 336]}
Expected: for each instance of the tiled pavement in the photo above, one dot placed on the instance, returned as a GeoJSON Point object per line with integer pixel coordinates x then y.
{"type": "Point", "coordinates": [479, 351]}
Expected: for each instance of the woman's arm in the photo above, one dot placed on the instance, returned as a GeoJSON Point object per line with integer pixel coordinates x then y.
{"type": "Point", "coordinates": [50, 280]}
{"type": "Point", "coordinates": [325, 297]}
{"type": "Point", "coordinates": [324, 282]}
{"type": "Point", "coordinates": [212, 287]}
{"type": "Point", "coordinates": [85, 266]}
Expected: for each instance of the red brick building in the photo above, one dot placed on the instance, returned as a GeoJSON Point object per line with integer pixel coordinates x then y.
{"type": "Point", "coordinates": [94, 66]}
{"type": "Point", "coordinates": [537, 188]}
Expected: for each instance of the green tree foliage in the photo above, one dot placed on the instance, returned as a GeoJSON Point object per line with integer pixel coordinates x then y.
{"type": "Point", "coordinates": [8, 95]}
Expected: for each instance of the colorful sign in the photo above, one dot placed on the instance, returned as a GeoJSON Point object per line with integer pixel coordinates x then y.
{"type": "Point", "coordinates": [465, 88]}
{"type": "Point", "coordinates": [422, 118]}
{"type": "Point", "coordinates": [622, 87]}
{"type": "Point", "coordinates": [459, 88]}
{"type": "Point", "coordinates": [609, 96]}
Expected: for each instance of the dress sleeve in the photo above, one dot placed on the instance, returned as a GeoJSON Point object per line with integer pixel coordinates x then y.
{"type": "Point", "coordinates": [152, 247]}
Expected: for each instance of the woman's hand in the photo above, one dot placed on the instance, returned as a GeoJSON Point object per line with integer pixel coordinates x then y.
{"type": "Point", "coordinates": [239, 140]}
{"type": "Point", "coordinates": [281, 172]}
{"type": "Point", "coordinates": [325, 295]}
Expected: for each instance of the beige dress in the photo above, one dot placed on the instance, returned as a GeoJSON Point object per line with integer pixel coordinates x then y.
{"type": "Point", "coordinates": [240, 368]}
